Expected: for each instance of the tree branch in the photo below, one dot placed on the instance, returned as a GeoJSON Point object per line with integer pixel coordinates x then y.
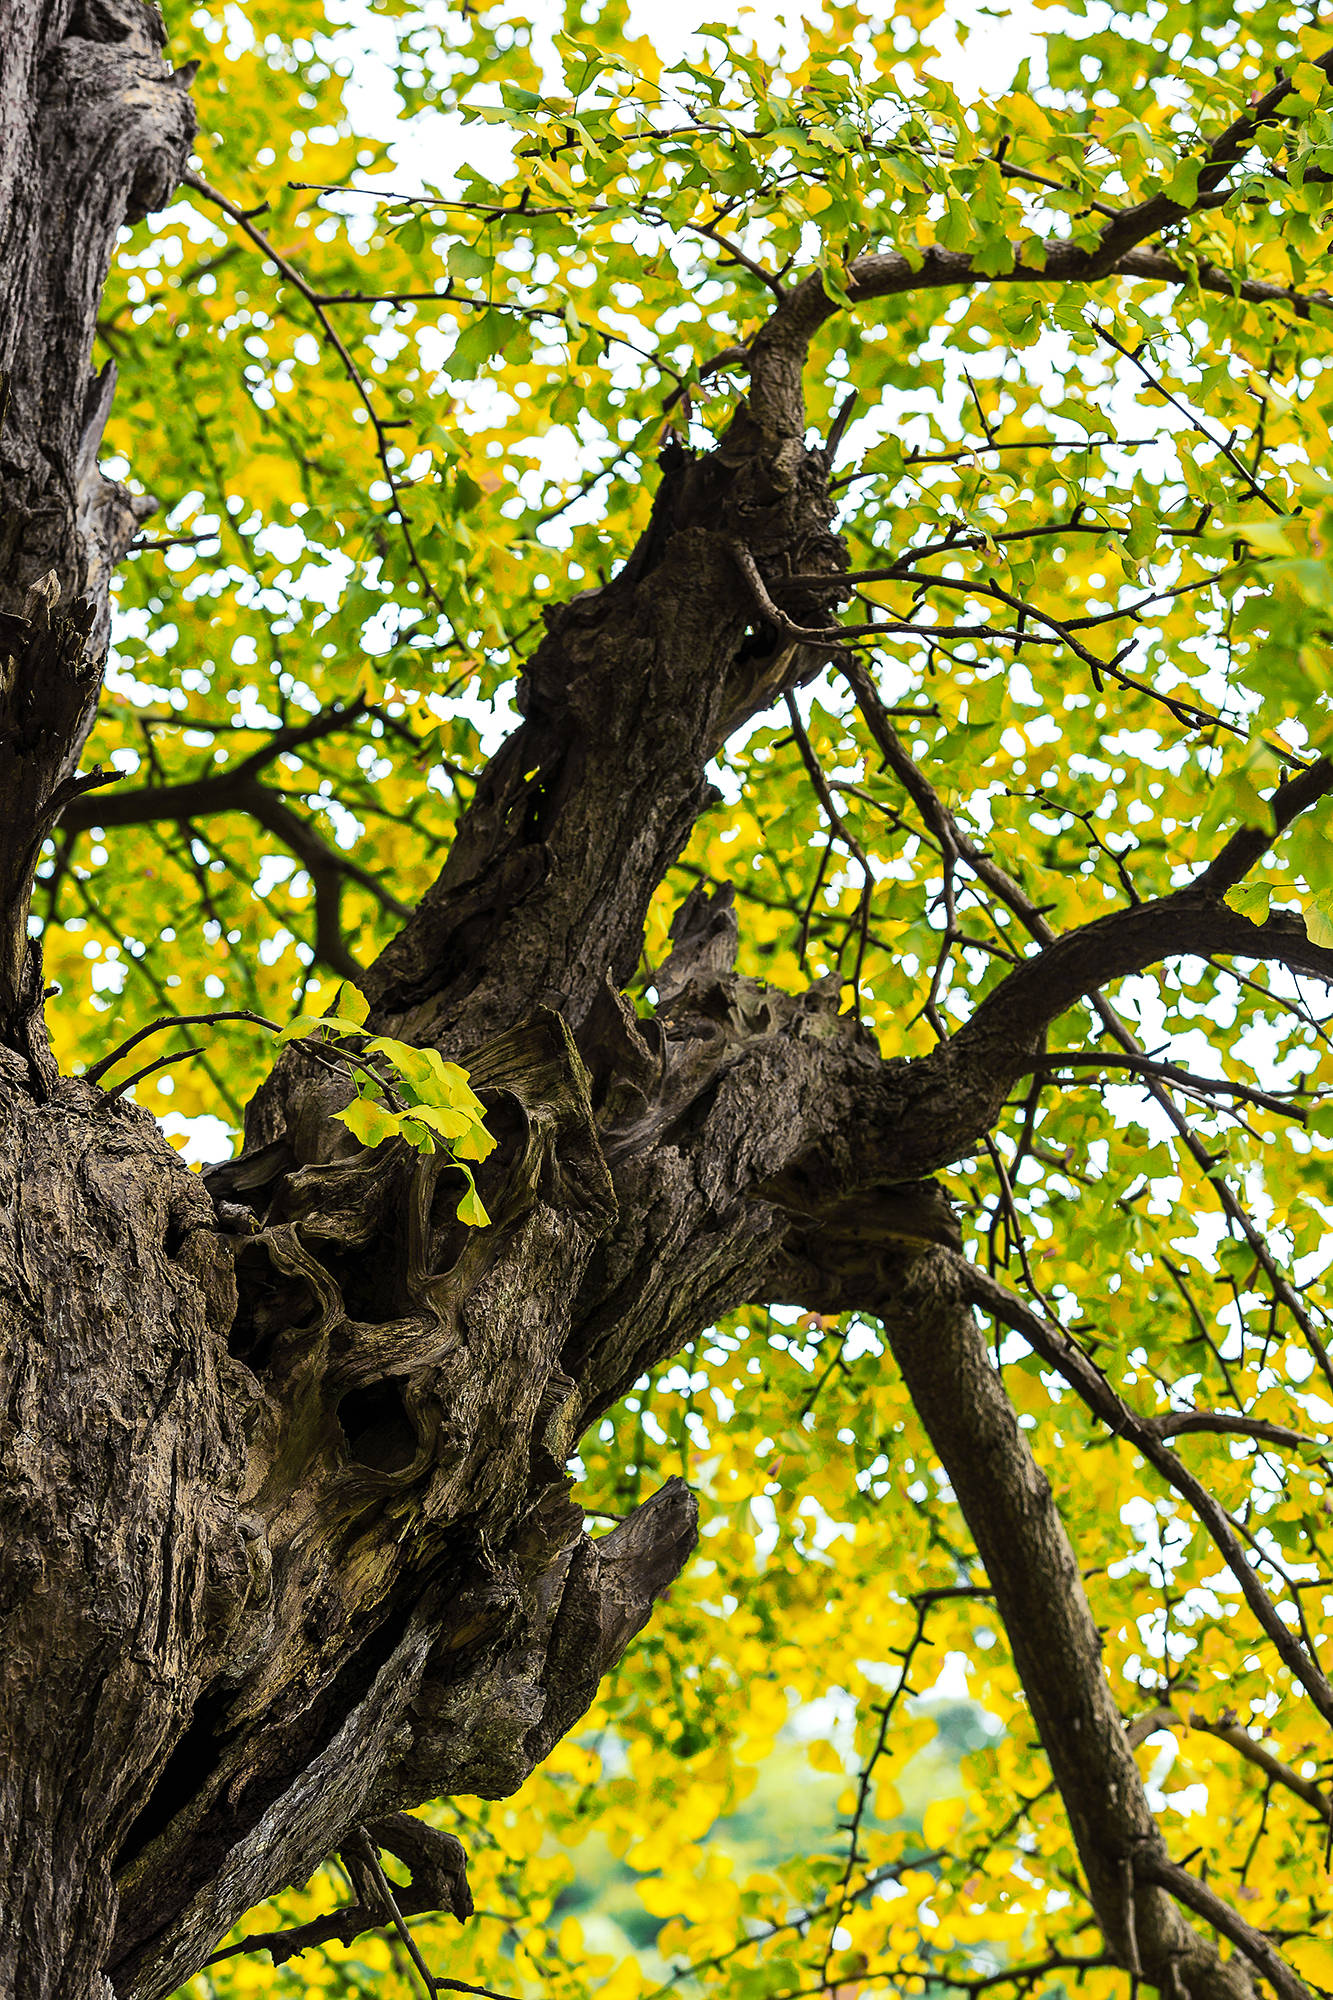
{"type": "Point", "coordinates": [1206, 1903]}
{"type": "Point", "coordinates": [1042, 1604]}
{"type": "Point", "coordinates": [1272, 1767]}
{"type": "Point", "coordinates": [952, 837]}
{"type": "Point", "coordinates": [98, 1070]}
{"type": "Point", "coordinates": [438, 1881]}
{"type": "Point", "coordinates": [777, 353]}
{"type": "Point", "coordinates": [1249, 844]}
{"type": "Point", "coordinates": [1061, 1352]}
{"type": "Point", "coordinates": [1017, 1012]}
{"type": "Point", "coordinates": [239, 789]}
{"type": "Point", "coordinates": [1166, 1072]}
{"type": "Point", "coordinates": [1239, 1739]}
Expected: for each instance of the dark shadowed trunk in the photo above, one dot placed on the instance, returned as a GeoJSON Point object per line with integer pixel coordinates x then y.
{"type": "Point", "coordinates": [286, 1536]}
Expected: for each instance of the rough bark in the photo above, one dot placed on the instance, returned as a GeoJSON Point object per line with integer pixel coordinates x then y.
{"type": "Point", "coordinates": [94, 132]}
{"type": "Point", "coordinates": [286, 1540]}
{"type": "Point", "coordinates": [1007, 1502]}
{"type": "Point", "coordinates": [125, 1560]}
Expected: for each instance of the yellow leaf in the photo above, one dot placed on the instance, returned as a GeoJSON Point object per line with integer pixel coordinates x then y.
{"type": "Point", "coordinates": [941, 1821]}
{"type": "Point", "coordinates": [369, 1122]}
{"type": "Point", "coordinates": [471, 1209]}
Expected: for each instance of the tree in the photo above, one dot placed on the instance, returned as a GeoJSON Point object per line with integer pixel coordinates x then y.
{"type": "Point", "coordinates": [665, 1010]}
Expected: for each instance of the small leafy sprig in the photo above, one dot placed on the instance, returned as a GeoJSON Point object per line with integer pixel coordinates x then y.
{"type": "Point", "coordinates": [422, 1098]}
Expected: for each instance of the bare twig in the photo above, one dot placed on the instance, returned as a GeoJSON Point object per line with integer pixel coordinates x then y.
{"type": "Point", "coordinates": [99, 1069]}
{"type": "Point", "coordinates": [242, 218]}
{"type": "Point", "coordinates": [835, 819]}
{"type": "Point", "coordinates": [163, 1062]}
{"type": "Point", "coordinates": [1183, 1079]}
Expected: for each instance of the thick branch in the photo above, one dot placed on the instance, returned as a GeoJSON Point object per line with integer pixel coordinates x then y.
{"type": "Point", "coordinates": [777, 353]}
{"type": "Point", "coordinates": [1206, 1903]}
{"type": "Point", "coordinates": [797, 1156]}
{"type": "Point", "coordinates": [1039, 1593]}
{"type": "Point", "coordinates": [635, 687]}
{"type": "Point", "coordinates": [878, 1123]}
{"type": "Point", "coordinates": [1002, 1040]}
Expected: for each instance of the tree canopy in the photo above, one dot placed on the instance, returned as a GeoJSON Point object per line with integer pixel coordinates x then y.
{"type": "Point", "coordinates": [1024, 793]}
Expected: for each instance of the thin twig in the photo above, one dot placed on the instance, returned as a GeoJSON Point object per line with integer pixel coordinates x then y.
{"type": "Point", "coordinates": [368, 1853]}
{"type": "Point", "coordinates": [241, 217]}
{"type": "Point", "coordinates": [163, 1062]}
{"type": "Point", "coordinates": [838, 823]}
{"type": "Point", "coordinates": [1196, 423]}
{"type": "Point", "coordinates": [100, 1068]}
{"type": "Point", "coordinates": [1183, 1079]}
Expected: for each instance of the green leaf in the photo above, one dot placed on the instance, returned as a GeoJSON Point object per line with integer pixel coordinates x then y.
{"type": "Point", "coordinates": [1183, 185]}
{"type": "Point", "coordinates": [471, 1209]}
{"type": "Point", "coordinates": [1250, 899]}
{"type": "Point", "coordinates": [1269, 535]}
{"type": "Point", "coordinates": [1319, 919]}
{"type": "Point", "coordinates": [370, 1122]}
{"type": "Point", "coordinates": [311, 1024]}
{"type": "Point", "coordinates": [449, 1124]}
{"type": "Point", "coordinates": [476, 1144]}
{"type": "Point", "coordinates": [467, 263]}
{"type": "Point", "coordinates": [406, 1058]}
{"type": "Point", "coordinates": [350, 1003]}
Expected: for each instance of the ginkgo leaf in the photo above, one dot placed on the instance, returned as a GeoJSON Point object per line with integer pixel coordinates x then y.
{"type": "Point", "coordinates": [350, 1005]}
{"type": "Point", "coordinates": [369, 1122]}
{"type": "Point", "coordinates": [449, 1124]}
{"type": "Point", "coordinates": [1250, 899]}
{"type": "Point", "coordinates": [311, 1024]}
{"type": "Point", "coordinates": [941, 1821]}
{"type": "Point", "coordinates": [1319, 919]}
{"type": "Point", "coordinates": [471, 1209]}
{"type": "Point", "coordinates": [476, 1143]}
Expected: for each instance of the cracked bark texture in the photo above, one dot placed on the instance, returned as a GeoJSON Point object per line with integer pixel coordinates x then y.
{"type": "Point", "coordinates": [286, 1536]}
{"type": "Point", "coordinates": [1007, 1502]}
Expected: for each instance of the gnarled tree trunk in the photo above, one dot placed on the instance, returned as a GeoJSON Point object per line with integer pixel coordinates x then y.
{"type": "Point", "coordinates": [286, 1540]}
